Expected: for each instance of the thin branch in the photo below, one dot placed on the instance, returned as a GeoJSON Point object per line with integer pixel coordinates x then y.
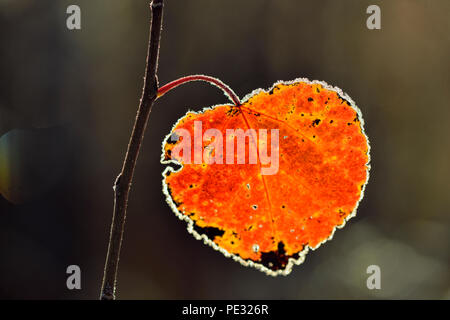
{"type": "Point", "coordinates": [199, 77]}
{"type": "Point", "coordinates": [124, 179]}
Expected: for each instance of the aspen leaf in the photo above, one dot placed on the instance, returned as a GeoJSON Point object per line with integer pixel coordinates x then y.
{"type": "Point", "coordinates": [269, 221]}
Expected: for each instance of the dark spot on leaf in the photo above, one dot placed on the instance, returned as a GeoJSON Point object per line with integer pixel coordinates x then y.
{"type": "Point", "coordinates": [315, 122]}
{"type": "Point", "coordinates": [340, 97]}
{"type": "Point", "coordinates": [276, 260]}
{"type": "Point", "coordinates": [173, 138]}
{"type": "Point", "coordinates": [273, 89]}
{"type": "Point", "coordinates": [210, 232]}
{"type": "Point", "coordinates": [233, 111]}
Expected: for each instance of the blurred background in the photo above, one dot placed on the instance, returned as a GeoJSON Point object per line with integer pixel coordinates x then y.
{"type": "Point", "coordinates": [67, 105]}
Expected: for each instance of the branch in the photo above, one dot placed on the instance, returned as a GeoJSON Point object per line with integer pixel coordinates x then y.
{"type": "Point", "coordinates": [123, 182]}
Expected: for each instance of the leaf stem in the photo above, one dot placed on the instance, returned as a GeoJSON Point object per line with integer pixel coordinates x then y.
{"type": "Point", "coordinates": [124, 179]}
{"type": "Point", "coordinates": [199, 77]}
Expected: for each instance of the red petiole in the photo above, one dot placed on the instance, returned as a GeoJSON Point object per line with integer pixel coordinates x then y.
{"type": "Point", "coordinates": [214, 81]}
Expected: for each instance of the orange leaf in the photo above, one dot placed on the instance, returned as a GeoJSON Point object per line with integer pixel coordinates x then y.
{"type": "Point", "coordinates": [269, 221]}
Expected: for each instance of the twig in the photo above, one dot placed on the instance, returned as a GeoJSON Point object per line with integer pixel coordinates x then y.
{"type": "Point", "coordinates": [123, 182]}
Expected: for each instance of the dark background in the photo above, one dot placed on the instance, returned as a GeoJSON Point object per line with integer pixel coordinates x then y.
{"type": "Point", "coordinates": [68, 101]}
